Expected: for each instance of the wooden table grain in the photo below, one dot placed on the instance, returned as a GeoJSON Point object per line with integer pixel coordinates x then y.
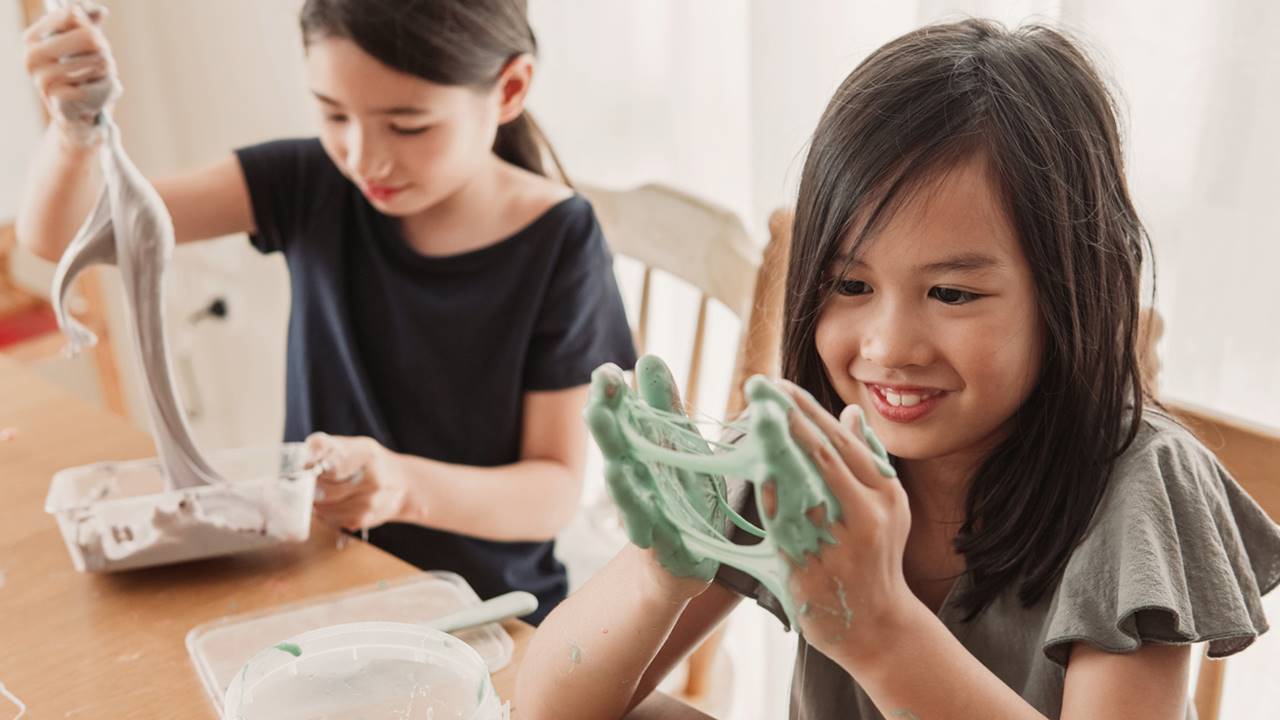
{"type": "Point", "coordinates": [113, 645]}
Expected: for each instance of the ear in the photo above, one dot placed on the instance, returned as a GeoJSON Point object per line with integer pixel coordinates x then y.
{"type": "Point", "coordinates": [513, 87]}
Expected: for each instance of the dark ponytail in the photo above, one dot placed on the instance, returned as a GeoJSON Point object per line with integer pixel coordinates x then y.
{"type": "Point", "coordinates": [447, 42]}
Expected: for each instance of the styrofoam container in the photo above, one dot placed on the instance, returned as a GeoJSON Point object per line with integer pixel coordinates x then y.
{"type": "Point", "coordinates": [220, 648]}
{"type": "Point", "coordinates": [119, 516]}
{"type": "Point", "coordinates": [366, 670]}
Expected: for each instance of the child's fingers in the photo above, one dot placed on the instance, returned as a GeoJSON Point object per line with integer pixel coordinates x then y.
{"type": "Point", "coordinates": [604, 427]}
{"type": "Point", "coordinates": [340, 459]}
{"type": "Point", "coordinates": [351, 514]}
{"type": "Point", "coordinates": [769, 497]}
{"type": "Point", "coordinates": [855, 418]}
{"type": "Point", "coordinates": [61, 79]}
{"type": "Point", "coordinates": [50, 23]}
{"type": "Point", "coordinates": [608, 384]}
{"type": "Point", "coordinates": [62, 48]}
{"type": "Point", "coordinates": [841, 479]}
{"type": "Point", "coordinates": [656, 385]}
{"type": "Point", "coordinates": [867, 467]}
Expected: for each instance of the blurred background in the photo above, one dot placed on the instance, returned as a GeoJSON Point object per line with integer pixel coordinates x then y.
{"type": "Point", "coordinates": [717, 98]}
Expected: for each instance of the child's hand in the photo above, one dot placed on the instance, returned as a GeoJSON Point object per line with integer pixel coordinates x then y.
{"type": "Point", "coordinates": [357, 487]}
{"type": "Point", "coordinates": [71, 65]}
{"type": "Point", "coordinates": [677, 571]}
{"type": "Point", "coordinates": [852, 592]}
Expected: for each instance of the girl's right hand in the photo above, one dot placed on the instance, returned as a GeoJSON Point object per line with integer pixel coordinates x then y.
{"type": "Point", "coordinates": [70, 63]}
{"type": "Point", "coordinates": [674, 570]}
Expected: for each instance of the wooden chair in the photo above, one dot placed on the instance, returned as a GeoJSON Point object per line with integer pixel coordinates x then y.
{"type": "Point", "coordinates": [708, 248]}
{"type": "Point", "coordinates": [1251, 454]}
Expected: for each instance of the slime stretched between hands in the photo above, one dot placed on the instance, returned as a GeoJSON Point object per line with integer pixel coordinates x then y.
{"type": "Point", "coordinates": [670, 488]}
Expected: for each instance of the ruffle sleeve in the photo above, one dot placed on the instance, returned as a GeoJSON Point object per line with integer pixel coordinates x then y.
{"type": "Point", "coordinates": [1177, 553]}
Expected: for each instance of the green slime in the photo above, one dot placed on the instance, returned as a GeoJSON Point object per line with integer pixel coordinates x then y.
{"type": "Point", "coordinates": [290, 648]}
{"type": "Point", "coordinates": [669, 484]}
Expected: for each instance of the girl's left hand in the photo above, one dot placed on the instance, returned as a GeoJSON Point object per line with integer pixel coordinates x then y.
{"type": "Point", "coordinates": [357, 487]}
{"type": "Point", "coordinates": [853, 593]}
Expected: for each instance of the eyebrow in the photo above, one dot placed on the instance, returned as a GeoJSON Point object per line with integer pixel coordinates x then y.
{"type": "Point", "coordinates": [962, 263]}
{"type": "Point", "coordinates": [397, 110]}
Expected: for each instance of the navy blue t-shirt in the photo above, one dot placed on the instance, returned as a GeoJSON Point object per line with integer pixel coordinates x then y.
{"type": "Point", "coordinates": [431, 356]}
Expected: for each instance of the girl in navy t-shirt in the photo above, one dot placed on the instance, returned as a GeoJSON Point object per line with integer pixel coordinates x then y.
{"type": "Point", "coordinates": [449, 296]}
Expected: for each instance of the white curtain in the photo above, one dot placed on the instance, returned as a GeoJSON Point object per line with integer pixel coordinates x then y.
{"type": "Point", "coordinates": [719, 97]}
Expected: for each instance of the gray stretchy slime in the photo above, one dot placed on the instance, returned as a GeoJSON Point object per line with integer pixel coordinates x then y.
{"type": "Point", "coordinates": [670, 489]}
{"type": "Point", "coordinates": [131, 229]}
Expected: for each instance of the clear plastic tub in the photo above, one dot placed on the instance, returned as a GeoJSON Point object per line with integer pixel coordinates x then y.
{"type": "Point", "coordinates": [364, 671]}
{"type": "Point", "coordinates": [119, 516]}
{"type": "Point", "coordinates": [220, 648]}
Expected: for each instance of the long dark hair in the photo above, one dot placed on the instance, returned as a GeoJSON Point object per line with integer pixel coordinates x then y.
{"type": "Point", "coordinates": [447, 42]}
{"type": "Point", "coordinates": [1032, 102]}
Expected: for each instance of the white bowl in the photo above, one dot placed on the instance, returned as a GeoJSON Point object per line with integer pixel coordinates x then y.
{"type": "Point", "coordinates": [370, 670]}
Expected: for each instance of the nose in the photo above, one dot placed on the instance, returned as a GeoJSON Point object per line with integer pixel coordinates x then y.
{"type": "Point", "coordinates": [367, 157]}
{"type": "Point", "coordinates": [895, 337]}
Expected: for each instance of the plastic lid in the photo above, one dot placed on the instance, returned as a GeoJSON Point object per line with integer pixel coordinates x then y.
{"type": "Point", "coordinates": [368, 669]}
{"type": "Point", "coordinates": [219, 649]}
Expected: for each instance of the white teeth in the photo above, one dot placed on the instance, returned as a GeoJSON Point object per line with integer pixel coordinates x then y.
{"type": "Point", "coordinates": [897, 399]}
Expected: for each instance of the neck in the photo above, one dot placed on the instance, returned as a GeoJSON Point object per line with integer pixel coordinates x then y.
{"type": "Point", "coordinates": [449, 226]}
{"type": "Point", "coordinates": [936, 488]}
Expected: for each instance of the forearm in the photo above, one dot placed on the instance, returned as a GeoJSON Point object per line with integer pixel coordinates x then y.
{"type": "Point", "coordinates": [920, 670]}
{"type": "Point", "coordinates": [62, 186]}
{"type": "Point", "coordinates": [530, 500]}
{"type": "Point", "coordinates": [589, 655]}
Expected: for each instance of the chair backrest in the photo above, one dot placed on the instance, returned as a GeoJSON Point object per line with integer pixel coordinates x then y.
{"type": "Point", "coordinates": [1252, 455]}
{"type": "Point", "coordinates": [709, 248]}
{"type": "Point", "coordinates": [1250, 452]}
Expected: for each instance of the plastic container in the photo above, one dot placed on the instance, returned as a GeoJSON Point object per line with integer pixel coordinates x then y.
{"type": "Point", "coordinates": [220, 648]}
{"type": "Point", "coordinates": [366, 670]}
{"type": "Point", "coordinates": [119, 516]}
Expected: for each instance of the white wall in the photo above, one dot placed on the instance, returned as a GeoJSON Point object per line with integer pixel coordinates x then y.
{"type": "Point", "coordinates": [190, 99]}
{"type": "Point", "coordinates": [19, 111]}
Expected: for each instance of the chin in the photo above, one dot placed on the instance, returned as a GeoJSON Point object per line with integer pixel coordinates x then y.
{"type": "Point", "coordinates": [910, 444]}
{"type": "Point", "coordinates": [401, 207]}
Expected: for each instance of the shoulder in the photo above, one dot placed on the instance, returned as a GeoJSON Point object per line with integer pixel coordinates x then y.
{"type": "Point", "coordinates": [546, 207]}
{"type": "Point", "coordinates": [1165, 460]}
{"type": "Point", "coordinates": [301, 149]}
{"type": "Point", "coordinates": [300, 162]}
{"type": "Point", "coordinates": [1177, 552]}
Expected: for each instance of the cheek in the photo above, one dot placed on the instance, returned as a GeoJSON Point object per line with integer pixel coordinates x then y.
{"type": "Point", "coordinates": [1001, 355]}
{"type": "Point", "coordinates": [441, 152]}
{"type": "Point", "coordinates": [836, 340]}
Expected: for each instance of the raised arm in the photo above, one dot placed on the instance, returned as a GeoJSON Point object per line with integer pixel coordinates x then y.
{"type": "Point", "coordinates": [71, 65]}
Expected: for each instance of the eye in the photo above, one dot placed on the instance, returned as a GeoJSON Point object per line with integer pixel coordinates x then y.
{"type": "Point", "coordinates": [850, 288]}
{"type": "Point", "coordinates": [335, 118]}
{"type": "Point", "coordinates": [410, 131]}
{"type": "Point", "coordinates": [952, 296]}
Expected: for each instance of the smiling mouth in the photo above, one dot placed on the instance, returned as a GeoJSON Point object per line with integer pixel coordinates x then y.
{"type": "Point", "coordinates": [904, 403]}
{"type": "Point", "coordinates": [900, 396]}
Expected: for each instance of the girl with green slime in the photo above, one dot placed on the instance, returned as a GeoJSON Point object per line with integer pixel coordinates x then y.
{"type": "Point", "coordinates": [1034, 539]}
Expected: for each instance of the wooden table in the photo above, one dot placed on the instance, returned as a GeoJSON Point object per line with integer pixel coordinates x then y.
{"type": "Point", "coordinates": [113, 646]}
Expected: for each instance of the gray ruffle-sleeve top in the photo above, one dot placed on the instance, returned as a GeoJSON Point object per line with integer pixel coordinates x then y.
{"type": "Point", "coordinates": [1177, 553]}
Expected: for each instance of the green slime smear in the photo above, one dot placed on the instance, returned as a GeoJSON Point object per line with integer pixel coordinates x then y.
{"type": "Point", "coordinates": [670, 487]}
{"type": "Point", "coordinates": [290, 648]}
